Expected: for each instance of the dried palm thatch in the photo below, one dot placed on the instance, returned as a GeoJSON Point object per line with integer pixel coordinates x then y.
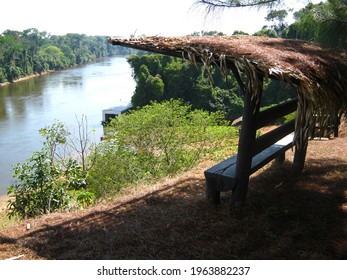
{"type": "Point", "coordinates": [319, 74]}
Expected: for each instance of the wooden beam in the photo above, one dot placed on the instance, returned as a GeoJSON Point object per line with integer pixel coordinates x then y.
{"type": "Point", "coordinates": [266, 117]}
{"type": "Point", "coordinates": [266, 140]}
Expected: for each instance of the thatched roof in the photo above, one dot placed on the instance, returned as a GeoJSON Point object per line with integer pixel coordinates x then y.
{"type": "Point", "coordinates": [319, 74]}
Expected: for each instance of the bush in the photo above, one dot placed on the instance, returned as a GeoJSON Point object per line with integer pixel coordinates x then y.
{"type": "Point", "coordinates": [40, 189]}
{"type": "Point", "coordinates": [46, 181]}
{"type": "Point", "coordinates": [158, 140]}
{"type": "Point", "coordinates": [3, 77]}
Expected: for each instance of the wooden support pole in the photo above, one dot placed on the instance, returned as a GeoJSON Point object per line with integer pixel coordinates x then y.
{"type": "Point", "coordinates": [302, 134]}
{"type": "Point", "coordinates": [247, 139]}
{"type": "Point", "coordinates": [300, 156]}
{"type": "Point", "coordinates": [281, 158]}
{"type": "Point", "coordinates": [336, 125]}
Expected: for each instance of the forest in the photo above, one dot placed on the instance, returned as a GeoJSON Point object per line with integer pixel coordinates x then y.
{"type": "Point", "coordinates": [161, 78]}
{"type": "Point", "coordinates": [325, 22]}
{"type": "Point", "coordinates": [23, 53]}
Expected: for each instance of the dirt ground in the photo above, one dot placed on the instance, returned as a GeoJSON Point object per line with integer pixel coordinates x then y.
{"type": "Point", "coordinates": [285, 217]}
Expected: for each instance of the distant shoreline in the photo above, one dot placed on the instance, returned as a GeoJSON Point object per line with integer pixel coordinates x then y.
{"type": "Point", "coordinates": [52, 71]}
{"type": "Point", "coordinates": [26, 78]}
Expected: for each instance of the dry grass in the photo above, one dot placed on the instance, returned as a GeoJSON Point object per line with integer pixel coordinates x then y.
{"type": "Point", "coordinates": [286, 217]}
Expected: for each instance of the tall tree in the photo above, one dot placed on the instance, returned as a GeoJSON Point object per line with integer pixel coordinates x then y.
{"type": "Point", "coordinates": [212, 5]}
{"type": "Point", "coordinates": [324, 23]}
{"type": "Point", "coordinates": [277, 17]}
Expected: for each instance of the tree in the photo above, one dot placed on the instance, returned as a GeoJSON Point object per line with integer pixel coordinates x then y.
{"type": "Point", "coordinates": [51, 177]}
{"type": "Point", "coordinates": [332, 19]}
{"type": "Point", "coordinates": [240, 32]}
{"type": "Point", "coordinates": [227, 102]}
{"type": "Point", "coordinates": [53, 58]}
{"type": "Point", "coordinates": [324, 23]}
{"type": "Point", "coordinates": [277, 17]}
{"type": "Point", "coordinates": [208, 33]}
{"type": "Point", "coordinates": [268, 32]}
{"type": "Point", "coordinates": [31, 51]}
{"type": "Point", "coordinates": [160, 77]}
{"type": "Point", "coordinates": [11, 54]}
{"type": "Point", "coordinates": [212, 5]}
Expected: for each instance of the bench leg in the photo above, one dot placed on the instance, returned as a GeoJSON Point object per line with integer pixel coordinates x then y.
{"type": "Point", "coordinates": [212, 195]}
{"type": "Point", "coordinates": [281, 158]}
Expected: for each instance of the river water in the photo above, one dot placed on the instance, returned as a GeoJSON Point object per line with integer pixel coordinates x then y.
{"type": "Point", "coordinates": [29, 105]}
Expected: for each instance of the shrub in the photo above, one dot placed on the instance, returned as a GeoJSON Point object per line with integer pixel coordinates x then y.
{"type": "Point", "coordinates": [40, 187]}
{"type": "Point", "coordinates": [46, 180]}
{"type": "Point", "coordinates": [158, 140]}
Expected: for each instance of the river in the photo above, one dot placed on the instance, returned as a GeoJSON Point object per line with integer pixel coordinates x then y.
{"type": "Point", "coordinates": [29, 105]}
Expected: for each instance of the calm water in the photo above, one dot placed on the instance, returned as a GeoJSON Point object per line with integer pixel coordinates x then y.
{"type": "Point", "coordinates": [27, 106]}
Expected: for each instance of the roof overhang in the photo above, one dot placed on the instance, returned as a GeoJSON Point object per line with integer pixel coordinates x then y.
{"type": "Point", "coordinates": [318, 73]}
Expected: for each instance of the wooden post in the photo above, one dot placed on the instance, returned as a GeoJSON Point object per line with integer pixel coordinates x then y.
{"type": "Point", "coordinates": [302, 135]}
{"type": "Point", "coordinates": [247, 139]}
{"type": "Point", "coordinates": [301, 147]}
{"type": "Point", "coordinates": [212, 193]}
{"type": "Point", "coordinates": [299, 156]}
{"type": "Point", "coordinates": [336, 125]}
{"type": "Point", "coordinates": [281, 158]}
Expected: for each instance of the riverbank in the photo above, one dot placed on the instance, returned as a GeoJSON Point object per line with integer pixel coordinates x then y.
{"type": "Point", "coordinates": [26, 78]}
{"type": "Point", "coordinates": [3, 203]}
{"type": "Point", "coordinates": [52, 71]}
{"type": "Point", "coordinates": [3, 207]}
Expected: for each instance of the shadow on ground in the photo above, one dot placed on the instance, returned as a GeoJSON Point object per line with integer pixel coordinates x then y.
{"type": "Point", "coordinates": [286, 217]}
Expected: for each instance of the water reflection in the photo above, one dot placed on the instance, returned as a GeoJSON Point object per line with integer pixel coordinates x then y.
{"type": "Point", "coordinates": [14, 97]}
{"type": "Point", "coordinates": [29, 105]}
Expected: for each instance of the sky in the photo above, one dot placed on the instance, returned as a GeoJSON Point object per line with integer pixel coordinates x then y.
{"type": "Point", "coordinates": [125, 17]}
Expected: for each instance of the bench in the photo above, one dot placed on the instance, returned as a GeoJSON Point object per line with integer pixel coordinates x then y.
{"type": "Point", "coordinates": [222, 176]}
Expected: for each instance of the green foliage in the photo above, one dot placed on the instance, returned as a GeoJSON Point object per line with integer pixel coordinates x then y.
{"type": "Point", "coordinates": [277, 17]}
{"type": "Point", "coordinates": [228, 102]}
{"type": "Point", "coordinates": [162, 77]}
{"type": "Point", "coordinates": [46, 179]}
{"type": "Point", "coordinates": [39, 189]}
{"type": "Point", "coordinates": [148, 88]}
{"type": "Point", "coordinates": [266, 31]}
{"type": "Point", "coordinates": [325, 22]}
{"type": "Point", "coordinates": [85, 199]}
{"type": "Point", "coordinates": [276, 92]}
{"type": "Point", "coordinates": [115, 167]}
{"type": "Point", "coordinates": [3, 76]}
{"type": "Point", "coordinates": [54, 136]}
{"type": "Point", "coordinates": [179, 79]}
{"type": "Point", "coordinates": [53, 58]}
{"type": "Point", "coordinates": [159, 139]}
{"type": "Point", "coordinates": [221, 4]}
{"type": "Point", "coordinates": [30, 51]}
{"type": "Point", "coordinates": [208, 33]}
{"type": "Point", "coordinates": [240, 32]}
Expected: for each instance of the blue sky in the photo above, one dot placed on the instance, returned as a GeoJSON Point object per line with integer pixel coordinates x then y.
{"type": "Point", "coordinates": [123, 18]}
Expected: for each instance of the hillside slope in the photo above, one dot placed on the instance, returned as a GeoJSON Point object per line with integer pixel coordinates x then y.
{"type": "Point", "coordinates": [286, 217]}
